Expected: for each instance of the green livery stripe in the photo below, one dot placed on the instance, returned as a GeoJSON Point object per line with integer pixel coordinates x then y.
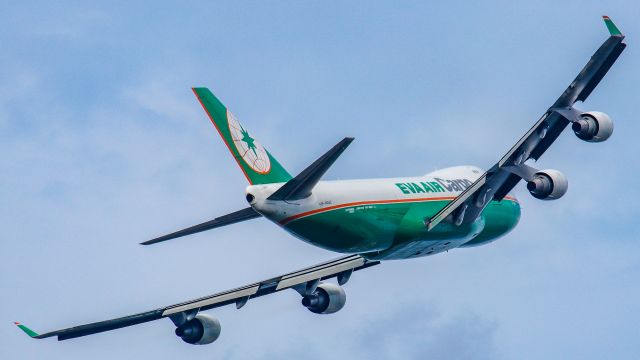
{"type": "Point", "coordinates": [257, 164]}
{"type": "Point", "coordinates": [372, 202]}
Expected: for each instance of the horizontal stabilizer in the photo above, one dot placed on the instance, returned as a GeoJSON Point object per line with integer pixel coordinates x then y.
{"type": "Point", "coordinates": [300, 186]}
{"type": "Point", "coordinates": [234, 217]}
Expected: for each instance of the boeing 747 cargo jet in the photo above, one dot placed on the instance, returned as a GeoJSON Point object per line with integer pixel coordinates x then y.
{"type": "Point", "coordinates": [374, 220]}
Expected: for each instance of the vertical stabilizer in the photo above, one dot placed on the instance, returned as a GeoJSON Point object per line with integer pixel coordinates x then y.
{"type": "Point", "coordinates": [258, 165]}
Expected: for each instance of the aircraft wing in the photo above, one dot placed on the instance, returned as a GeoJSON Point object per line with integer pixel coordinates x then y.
{"type": "Point", "coordinates": [234, 217]}
{"type": "Point", "coordinates": [506, 173]}
{"type": "Point", "coordinates": [303, 281]}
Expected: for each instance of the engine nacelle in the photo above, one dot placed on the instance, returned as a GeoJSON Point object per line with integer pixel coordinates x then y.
{"type": "Point", "coordinates": [548, 184]}
{"type": "Point", "coordinates": [326, 299]}
{"type": "Point", "coordinates": [593, 126]}
{"type": "Point", "coordinates": [202, 329]}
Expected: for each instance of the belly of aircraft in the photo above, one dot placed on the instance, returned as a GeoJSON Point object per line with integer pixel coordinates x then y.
{"type": "Point", "coordinates": [397, 230]}
{"type": "Point", "coordinates": [355, 229]}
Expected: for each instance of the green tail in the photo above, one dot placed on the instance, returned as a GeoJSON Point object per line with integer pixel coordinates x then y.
{"type": "Point", "coordinates": [258, 165]}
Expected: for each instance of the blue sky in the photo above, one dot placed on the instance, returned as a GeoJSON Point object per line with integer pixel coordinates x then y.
{"type": "Point", "coordinates": [103, 145]}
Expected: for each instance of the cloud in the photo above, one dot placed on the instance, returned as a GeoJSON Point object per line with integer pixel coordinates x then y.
{"type": "Point", "coordinates": [410, 331]}
{"type": "Point", "coordinates": [74, 24]}
{"type": "Point", "coordinates": [18, 82]}
{"type": "Point", "coordinates": [414, 331]}
{"type": "Point", "coordinates": [128, 153]}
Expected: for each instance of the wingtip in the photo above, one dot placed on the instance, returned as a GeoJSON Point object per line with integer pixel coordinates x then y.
{"type": "Point", "coordinates": [26, 330]}
{"type": "Point", "coordinates": [613, 29]}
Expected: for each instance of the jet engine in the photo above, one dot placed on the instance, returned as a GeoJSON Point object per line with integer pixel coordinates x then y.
{"type": "Point", "coordinates": [548, 184]}
{"type": "Point", "coordinates": [593, 126]}
{"type": "Point", "coordinates": [326, 299]}
{"type": "Point", "coordinates": [202, 329]}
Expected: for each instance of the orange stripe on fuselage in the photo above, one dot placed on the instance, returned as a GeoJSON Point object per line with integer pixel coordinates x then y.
{"type": "Point", "coordinates": [369, 202]}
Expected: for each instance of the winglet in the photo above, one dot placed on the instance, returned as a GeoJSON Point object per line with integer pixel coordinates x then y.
{"type": "Point", "coordinates": [26, 330]}
{"type": "Point", "coordinates": [613, 29]}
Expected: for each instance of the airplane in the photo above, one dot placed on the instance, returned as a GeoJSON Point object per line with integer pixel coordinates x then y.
{"type": "Point", "coordinates": [374, 220]}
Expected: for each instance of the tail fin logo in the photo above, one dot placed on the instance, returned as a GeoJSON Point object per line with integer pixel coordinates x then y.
{"type": "Point", "coordinates": [253, 154]}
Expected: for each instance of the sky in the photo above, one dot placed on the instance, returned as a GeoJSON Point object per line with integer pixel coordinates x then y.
{"type": "Point", "coordinates": [103, 145]}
